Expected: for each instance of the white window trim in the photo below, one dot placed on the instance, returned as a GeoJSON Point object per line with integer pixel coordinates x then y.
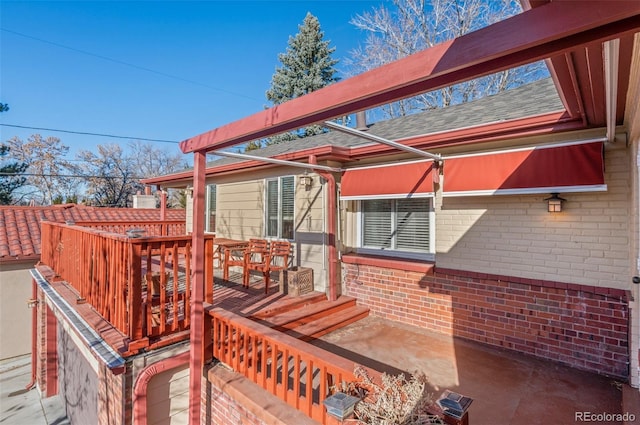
{"type": "Point", "coordinates": [206, 206]}
{"type": "Point", "coordinates": [265, 209]}
{"type": "Point", "coordinates": [411, 255]}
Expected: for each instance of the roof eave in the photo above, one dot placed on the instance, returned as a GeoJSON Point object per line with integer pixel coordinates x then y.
{"type": "Point", "coordinates": [322, 153]}
{"type": "Point", "coordinates": [557, 121]}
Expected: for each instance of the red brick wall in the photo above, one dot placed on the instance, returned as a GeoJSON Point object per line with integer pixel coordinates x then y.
{"type": "Point", "coordinates": [114, 397]}
{"type": "Point", "coordinates": [41, 341]}
{"type": "Point", "coordinates": [581, 326]}
{"type": "Point", "coordinates": [221, 408]}
{"type": "Point", "coordinates": [47, 361]}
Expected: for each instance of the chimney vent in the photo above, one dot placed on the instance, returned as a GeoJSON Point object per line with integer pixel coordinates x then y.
{"type": "Point", "coordinates": [361, 121]}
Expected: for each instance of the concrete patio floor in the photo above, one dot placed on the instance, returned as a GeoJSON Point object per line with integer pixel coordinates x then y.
{"type": "Point", "coordinates": [507, 388]}
{"type": "Point", "coordinates": [19, 406]}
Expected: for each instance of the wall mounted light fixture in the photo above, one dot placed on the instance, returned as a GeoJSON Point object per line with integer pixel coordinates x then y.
{"type": "Point", "coordinates": [306, 181]}
{"type": "Point", "coordinates": [555, 203]}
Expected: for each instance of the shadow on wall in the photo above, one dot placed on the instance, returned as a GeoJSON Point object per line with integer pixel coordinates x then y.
{"type": "Point", "coordinates": [78, 383]}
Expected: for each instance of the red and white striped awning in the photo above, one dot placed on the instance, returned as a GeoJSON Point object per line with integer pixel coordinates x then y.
{"type": "Point", "coordinates": [567, 167]}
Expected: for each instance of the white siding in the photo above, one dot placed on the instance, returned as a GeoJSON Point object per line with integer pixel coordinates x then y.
{"type": "Point", "coordinates": [240, 215]}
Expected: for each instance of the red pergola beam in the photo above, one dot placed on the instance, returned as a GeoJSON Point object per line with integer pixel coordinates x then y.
{"type": "Point", "coordinates": [539, 33]}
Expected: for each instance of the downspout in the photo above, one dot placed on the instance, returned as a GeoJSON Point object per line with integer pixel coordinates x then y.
{"type": "Point", "coordinates": [33, 303]}
{"type": "Point", "coordinates": [196, 347]}
{"type": "Point", "coordinates": [141, 386]}
{"type": "Point", "coordinates": [331, 231]}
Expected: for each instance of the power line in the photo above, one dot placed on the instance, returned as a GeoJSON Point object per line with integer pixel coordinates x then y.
{"type": "Point", "coordinates": [86, 133]}
{"type": "Point", "coordinates": [142, 68]}
{"type": "Point", "coordinates": [82, 176]}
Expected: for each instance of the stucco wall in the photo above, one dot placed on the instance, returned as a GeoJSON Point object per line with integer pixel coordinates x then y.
{"type": "Point", "coordinates": [15, 316]}
{"type": "Point", "coordinates": [78, 383]}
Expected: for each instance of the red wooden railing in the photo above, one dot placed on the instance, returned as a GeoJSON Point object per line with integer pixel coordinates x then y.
{"type": "Point", "coordinates": [147, 228]}
{"type": "Point", "coordinates": [142, 286]}
{"type": "Point", "coordinates": [297, 372]}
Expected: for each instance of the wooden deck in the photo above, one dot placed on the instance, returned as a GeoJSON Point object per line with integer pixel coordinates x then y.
{"type": "Point", "coordinates": [305, 317]}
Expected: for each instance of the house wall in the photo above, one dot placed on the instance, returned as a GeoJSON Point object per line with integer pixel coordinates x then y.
{"type": "Point", "coordinates": [632, 119]}
{"type": "Point", "coordinates": [94, 393]}
{"type": "Point", "coordinates": [588, 243]}
{"type": "Point", "coordinates": [15, 315]}
{"type": "Point", "coordinates": [512, 275]}
{"type": "Point", "coordinates": [240, 215]}
{"type": "Point", "coordinates": [578, 325]}
{"type": "Point", "coordinates": [168, 397]}
{"type": "Point", "coordinates": [78, 383]}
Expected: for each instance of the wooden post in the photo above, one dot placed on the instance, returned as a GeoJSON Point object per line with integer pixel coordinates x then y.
{"type": "Point", "coordinates": [196, 358]}
{"type": "Point", "coordinates": [135, 292]}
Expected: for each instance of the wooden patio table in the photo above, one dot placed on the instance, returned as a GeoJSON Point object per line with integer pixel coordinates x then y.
{"type": "Point", "coordinates": [226, 248]}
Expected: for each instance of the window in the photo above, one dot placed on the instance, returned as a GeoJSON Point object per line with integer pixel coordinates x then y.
{"type": "Point", "coordinates": [397, 225]}
{"type": "Point", "coordinates": [210, 209]}
{"type": "Point", "coordinates": [280, 194]}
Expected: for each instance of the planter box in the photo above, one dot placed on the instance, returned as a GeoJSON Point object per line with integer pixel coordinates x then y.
{"type": "Point", "coordinates": [297, 281]}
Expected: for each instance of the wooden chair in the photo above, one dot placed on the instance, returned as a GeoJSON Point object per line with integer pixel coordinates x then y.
{"type": "Point", "coordinates": [256, 253]}
{"type": "Point", "coordinates": [234, 256]}
{"type": "Point", "coordinates": [276, 259]}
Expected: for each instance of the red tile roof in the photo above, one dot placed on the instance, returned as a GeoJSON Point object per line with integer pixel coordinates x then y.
{"type": "Point", "coordinates": [20, 226]}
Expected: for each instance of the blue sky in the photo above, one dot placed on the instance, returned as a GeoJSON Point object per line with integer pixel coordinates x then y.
{"type": "Point", "coordinates": [206, 63]}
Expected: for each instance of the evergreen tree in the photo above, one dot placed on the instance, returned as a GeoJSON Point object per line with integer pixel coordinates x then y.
{"type": "Point", "coordinates": [10, 177]}
{"type": "Point", "coordinates": [10, 172]}
{"type": "Point", "coordinates": [307, 66]}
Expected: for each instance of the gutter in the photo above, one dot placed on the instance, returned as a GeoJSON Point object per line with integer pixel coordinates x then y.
{"type": "Point", "coordinates": [96, 344]}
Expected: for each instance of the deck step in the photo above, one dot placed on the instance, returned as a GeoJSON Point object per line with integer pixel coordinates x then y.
{"type": "Point", "coordinates": [324, 325]}
{"type": "Point", "coordinates": [288, 304]}
{"type": "Point", "coordinates": [308, 313]}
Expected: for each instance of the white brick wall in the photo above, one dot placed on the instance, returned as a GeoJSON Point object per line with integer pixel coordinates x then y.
{"type": "Point", "coordinates": [632, 120]}
{"type": "Point", "coordinates": [588, 243]}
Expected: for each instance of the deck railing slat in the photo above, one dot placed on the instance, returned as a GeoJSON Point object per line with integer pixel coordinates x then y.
{"type": "Point", "coordinates": [110, 272]}
{"type": "Point", "coordinates": [278, 362]}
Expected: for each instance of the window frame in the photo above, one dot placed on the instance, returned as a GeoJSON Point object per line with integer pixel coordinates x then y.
{"type": "Point", "coordinates": [280, 212]}
{"type": "Point", "coordinates": [394, 252]}
{"type": "Point", "coordinates": [207, 206]}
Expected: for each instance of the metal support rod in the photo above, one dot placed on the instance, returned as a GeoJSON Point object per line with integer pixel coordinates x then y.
{"type": "Point", "coordinates": [378, 139]}
{"type": "Point", "coordinates": [277, 161]}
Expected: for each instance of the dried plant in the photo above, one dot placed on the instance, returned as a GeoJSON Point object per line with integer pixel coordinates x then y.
{"type": "Point", "coordinates": [395, 401]}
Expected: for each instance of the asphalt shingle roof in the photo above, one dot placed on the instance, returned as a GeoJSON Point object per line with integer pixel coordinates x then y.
{"type": "Point", "coordinates": [531, 99]}
{"type": "Point", "coordinates": [20, 226]}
